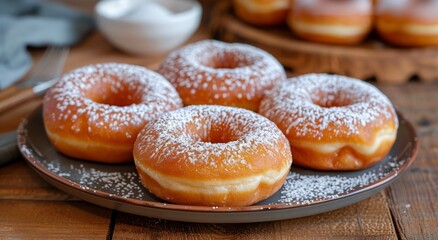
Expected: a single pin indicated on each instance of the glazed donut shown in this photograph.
(212, 156)
(332, 122)
(262, 12)
(331, 21)
(408, 23)
(230, 74)
(95, 112)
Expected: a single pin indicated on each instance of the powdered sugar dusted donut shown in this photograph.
(213, 72)
(332, 122)
(213, 156)
(95, 112)
(331, 21)
(407, 22)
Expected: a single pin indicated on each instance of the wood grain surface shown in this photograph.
(413, 198)
(32, 209)
(21, 219)
(357, 221)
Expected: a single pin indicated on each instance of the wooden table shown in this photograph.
(408, 209)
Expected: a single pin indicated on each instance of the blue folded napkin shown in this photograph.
(26, 23)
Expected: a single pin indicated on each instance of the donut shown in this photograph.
(217, 73)
(408, 23)
(262, 12)
(344, 22)
(332, 122)
(95, 112)
(211, 155)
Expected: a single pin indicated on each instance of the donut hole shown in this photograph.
(115, 93)
(224, 60)
(329, 100)
(214, 134)
(219, 135)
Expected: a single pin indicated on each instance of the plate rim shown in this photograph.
(37, 165)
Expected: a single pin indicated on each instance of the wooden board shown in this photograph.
(357, 221)
(19, 182)
(22, 219)
(413, 197)
(368, 60)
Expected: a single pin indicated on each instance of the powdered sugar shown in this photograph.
(143, 95)
(301, 187)
(305, 104)
(118, 183)
(196, 133)
(219, 71)
(304, 187)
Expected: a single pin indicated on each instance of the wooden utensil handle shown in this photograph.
(16, 99)
(7, 92)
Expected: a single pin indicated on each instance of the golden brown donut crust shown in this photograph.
(212, 156)
(346, 22)
(332, 122)
(408, 23)
(218, 73)
(244, 198)
(262, 12)
(95, 112)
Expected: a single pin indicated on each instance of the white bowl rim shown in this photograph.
(193, 11)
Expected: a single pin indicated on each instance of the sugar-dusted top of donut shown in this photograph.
(240, 66)
(424, 10)
(186, 132)
(67, 100)
(305, 103)
(334, 7)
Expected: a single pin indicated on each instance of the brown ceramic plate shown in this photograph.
(305, 192)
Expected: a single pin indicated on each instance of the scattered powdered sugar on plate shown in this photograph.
(308, 188)
(124, 184)
(118, 183)
(302, 187)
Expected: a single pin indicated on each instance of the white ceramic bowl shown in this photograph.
(140, 30)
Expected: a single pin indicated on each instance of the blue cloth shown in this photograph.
(26, 23)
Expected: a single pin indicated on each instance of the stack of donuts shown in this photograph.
(218, 124)
(407, 23)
